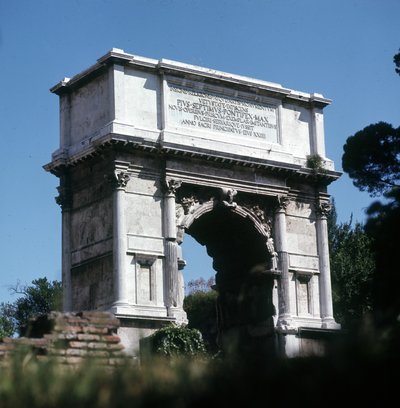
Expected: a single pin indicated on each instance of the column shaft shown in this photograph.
(119, 248)
(171, 251)
(325, 286)
(66, 260)
(285, 312)
(171, 274)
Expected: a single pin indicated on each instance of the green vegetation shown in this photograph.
(372, 159)
(352, 268)
(363, 369)
(175, 341)
(316, 163)
(40, 298)
(201, 308)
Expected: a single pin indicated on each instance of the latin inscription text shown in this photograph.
(201, 110)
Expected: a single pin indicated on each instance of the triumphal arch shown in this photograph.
(152, 150)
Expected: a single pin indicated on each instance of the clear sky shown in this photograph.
(343, 49)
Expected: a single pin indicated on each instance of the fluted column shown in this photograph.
(285, 311)
(64, 200)
(120, 180)
(171, 287)
(325, 287)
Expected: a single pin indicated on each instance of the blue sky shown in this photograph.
(342, 49)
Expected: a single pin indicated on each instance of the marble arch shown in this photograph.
(150, 149)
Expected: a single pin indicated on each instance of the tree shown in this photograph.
(7, 321)
(352, 268)
(396, 60)
(200, 285)
(372, 159)
(384, 225)
(200, 306)
(40, 298)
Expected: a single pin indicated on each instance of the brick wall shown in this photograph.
(70, 338)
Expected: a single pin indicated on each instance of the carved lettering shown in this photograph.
(206, 111)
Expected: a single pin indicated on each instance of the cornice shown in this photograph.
(118, 56)
(62, 160)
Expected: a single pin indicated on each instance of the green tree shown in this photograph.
(352, 268)
(372, 159)
(39, 298)
(8, 324)
(200, 306)
(384, 225)
(396, 60)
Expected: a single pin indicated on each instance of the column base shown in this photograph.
(178, 314)
(120, 307)
(285, 324)
(330, 323)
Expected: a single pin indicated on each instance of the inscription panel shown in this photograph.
(216, 113)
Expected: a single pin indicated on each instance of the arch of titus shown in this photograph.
(151, 150)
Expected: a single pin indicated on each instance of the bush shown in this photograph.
(175, 341)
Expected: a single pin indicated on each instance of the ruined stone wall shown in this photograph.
(70, 338)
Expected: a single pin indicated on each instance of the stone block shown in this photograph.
(95, 330)
(78, 344)
(89, 337)
(110, 339)
(76, 352)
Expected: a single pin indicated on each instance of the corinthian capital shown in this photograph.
(64, 198)
(172, 186)
(282, 202)
(323, 208)
(119, 179)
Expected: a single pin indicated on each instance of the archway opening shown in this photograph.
(243, 280)
(198, 271)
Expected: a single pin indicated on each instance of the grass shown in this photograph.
(362, 370)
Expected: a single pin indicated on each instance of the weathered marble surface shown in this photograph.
(151, 150)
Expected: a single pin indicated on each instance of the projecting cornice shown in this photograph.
(61, 159)
(119, 57)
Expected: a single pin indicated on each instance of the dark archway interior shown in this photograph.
(240, 259)
(232, 241)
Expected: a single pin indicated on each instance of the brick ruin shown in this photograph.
(70, 339)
